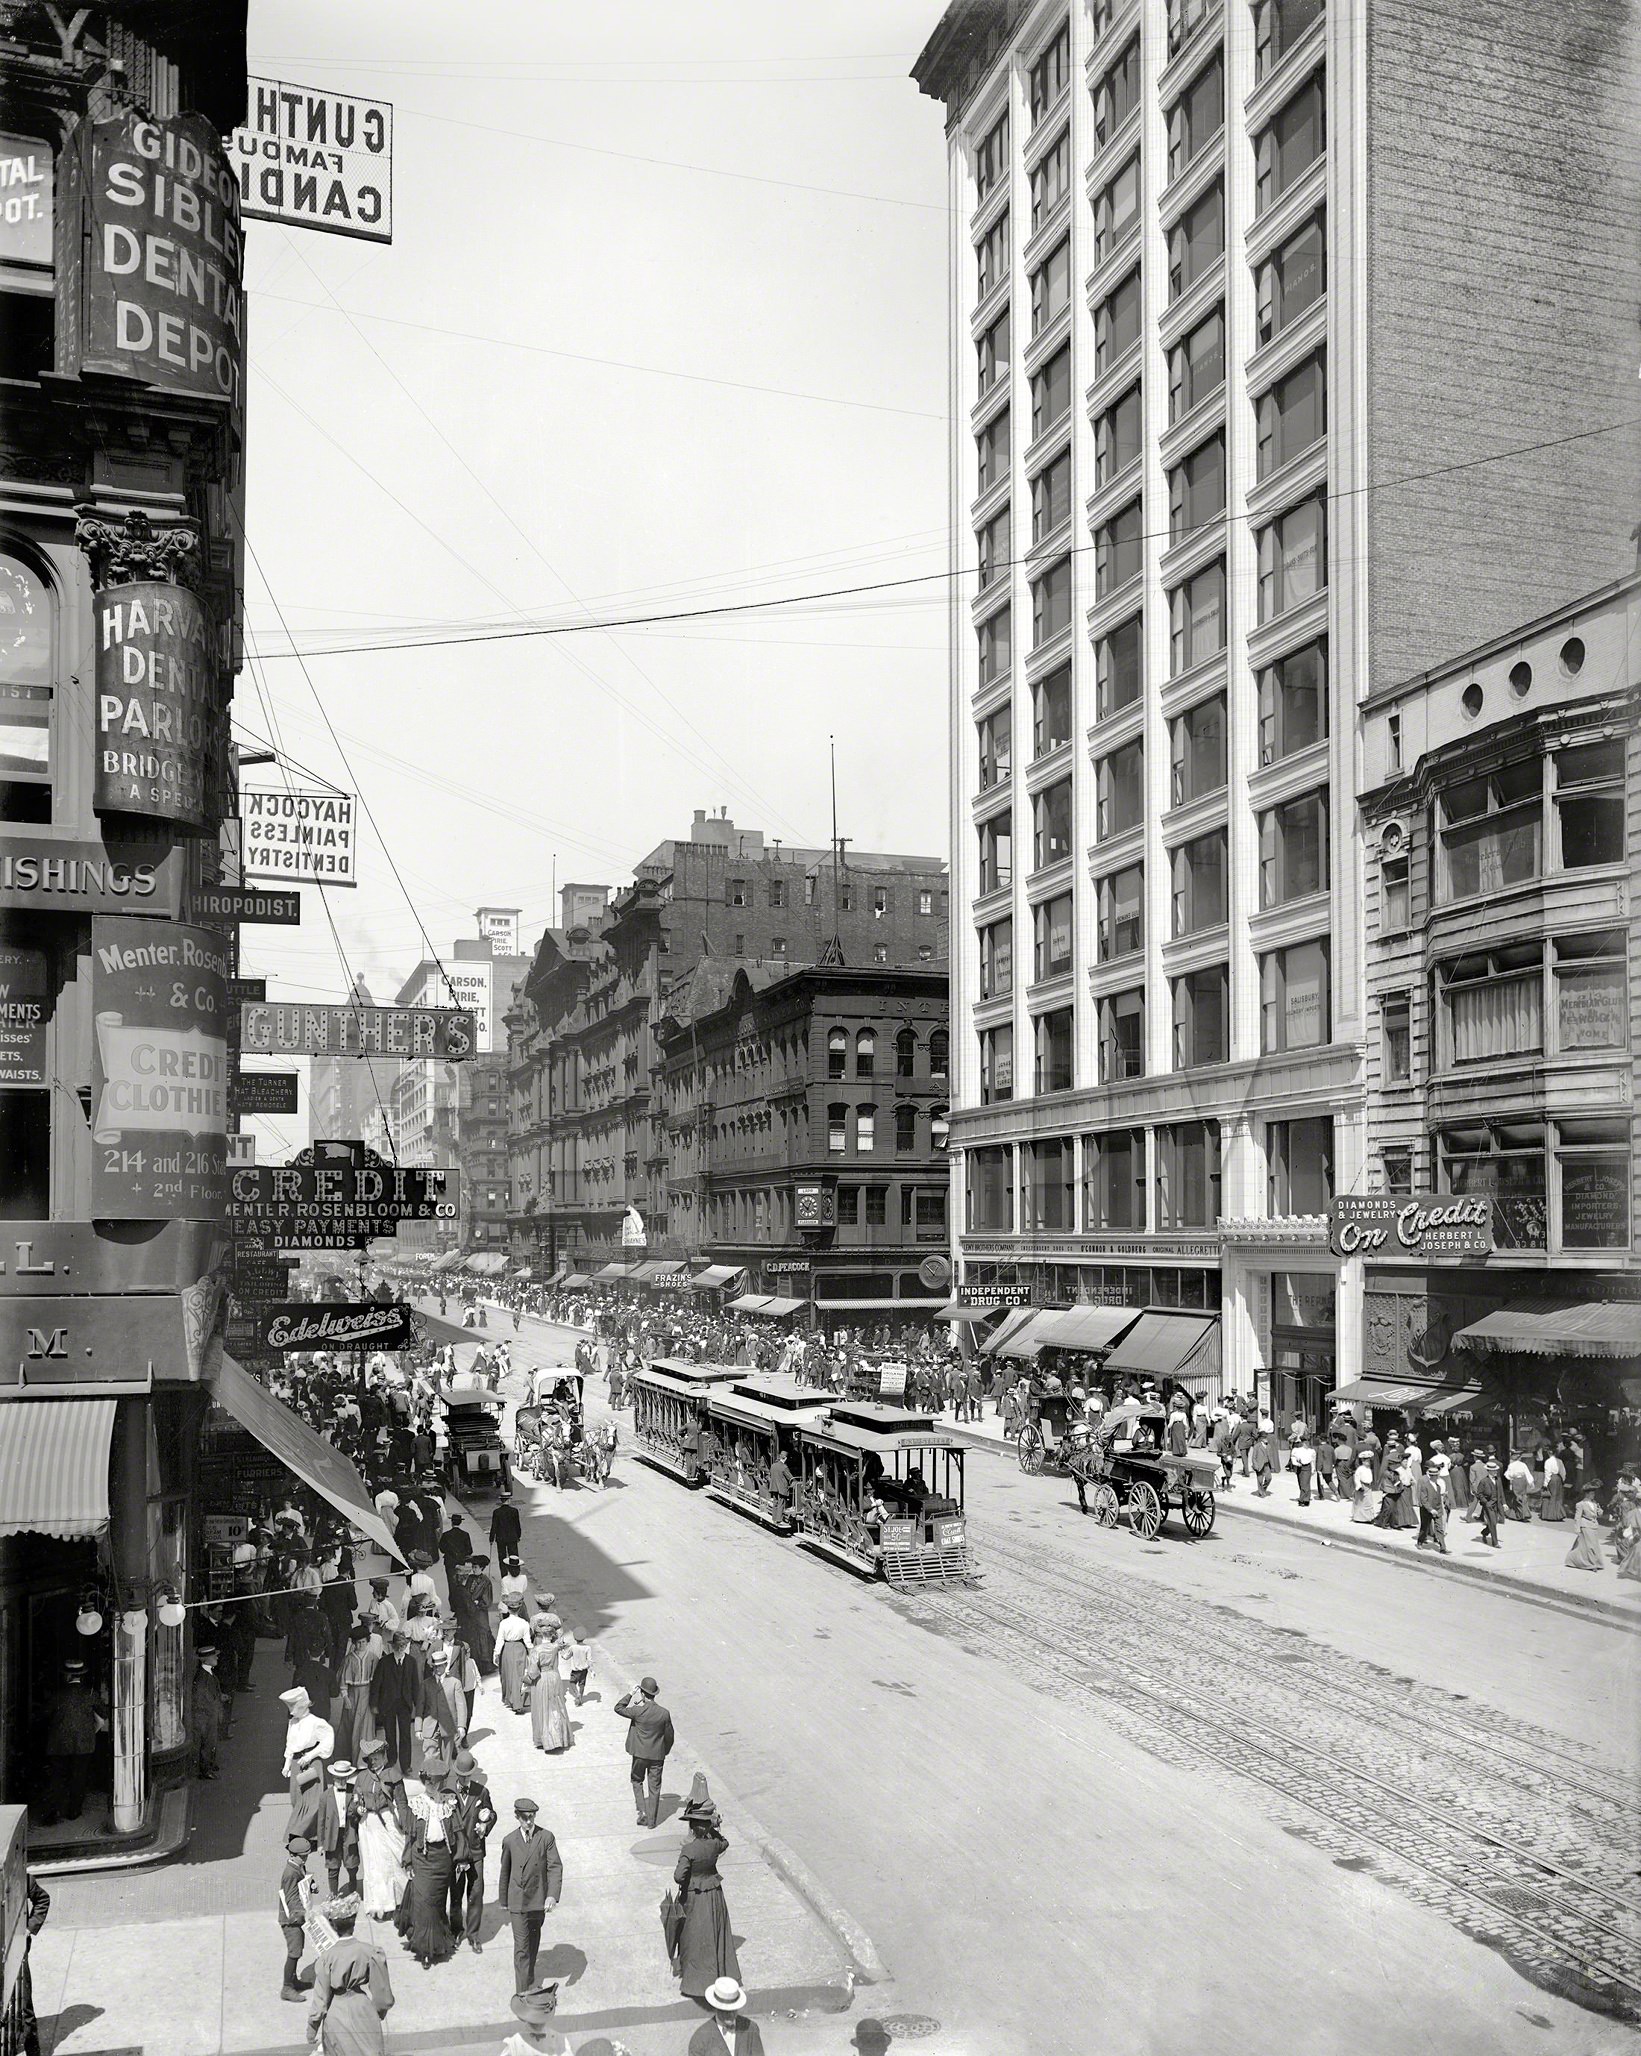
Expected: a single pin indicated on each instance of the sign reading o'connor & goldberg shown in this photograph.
(162, 298)
(154, 693)
(159, 1072)
(1392, 1227)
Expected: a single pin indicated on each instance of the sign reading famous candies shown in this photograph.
(164, 256)
(155, 728)
(316, 159)
(159, 1071)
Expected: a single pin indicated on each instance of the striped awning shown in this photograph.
(716, 1276)
(54, 1466)
(777, 1307)
(748, 1303)
(612, 1271)
(1551, 1327)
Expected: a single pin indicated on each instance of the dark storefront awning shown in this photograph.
(1169, 1345)
(1083, 1327)
(716, 1276)
(1423, 1395)
(299, 1448)
(954, 1310)
(612, 1271)
(748, 1303)
(1548, 1327)
(656, 1269)
(777, 1308)
(576, 1281)
(448, 1261)
(54, 1477)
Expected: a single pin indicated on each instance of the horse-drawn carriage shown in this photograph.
(1124, 1465)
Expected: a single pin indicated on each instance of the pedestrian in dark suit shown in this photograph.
(395, 1698)
(339, 1828)
(1489, 1492)
(649, 1740)
(505, 1529)
(529, 1885)
(468, 1832)
(1432, 1504)
(71, 1726)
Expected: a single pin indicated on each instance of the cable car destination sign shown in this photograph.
(358, 1031)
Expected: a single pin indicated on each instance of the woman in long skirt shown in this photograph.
(706, 1946)
(424, 1915)
(351, 1992)
(1585, 1554)
(549, 1711)
(1364, 1507)
(1553, 1505)
(511, 1651)
(355, 1723)
(383, 1815)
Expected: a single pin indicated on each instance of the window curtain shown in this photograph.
(1498, 1020)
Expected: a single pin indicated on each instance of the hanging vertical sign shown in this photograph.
(159, 1071)
(24, 998)
(314, 159)
(162, 299)
(156, 731)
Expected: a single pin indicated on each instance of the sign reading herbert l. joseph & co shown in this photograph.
(1393, 1227)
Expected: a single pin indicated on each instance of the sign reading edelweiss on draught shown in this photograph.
(159, 1071)
(1386, 1227)
(164, 257)
(365, 1326)
(154, 686)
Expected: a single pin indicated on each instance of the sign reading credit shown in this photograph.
(159, 1071)
(154, 691)
(1391, 1227)
(164, 259)
(316, 160)
(294, 838)
(327, 1325)
(328, 1206)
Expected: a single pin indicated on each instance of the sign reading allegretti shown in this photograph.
(1398, 1227)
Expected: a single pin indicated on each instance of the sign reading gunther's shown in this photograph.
(164, 257)
(155, 725)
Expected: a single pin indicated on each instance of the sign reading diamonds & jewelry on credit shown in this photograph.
(1395, 1227)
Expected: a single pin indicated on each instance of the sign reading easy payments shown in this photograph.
(1395, 1227)
(326, 1206)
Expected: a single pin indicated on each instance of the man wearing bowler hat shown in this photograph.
(528, 1886)
(649, 1741)
(468, 1832)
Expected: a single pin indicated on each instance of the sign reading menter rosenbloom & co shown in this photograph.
(1394, 1227)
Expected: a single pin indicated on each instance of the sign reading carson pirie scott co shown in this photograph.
(164, 257)
(295, 838)
(292, 1031)
(316, 159)
(368, 1325)
(159, 1071)
(1392, 1227)
(154, 693)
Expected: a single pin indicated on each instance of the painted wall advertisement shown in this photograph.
(164, 258)
(25, 997)
(159, 1072)
(316, 159)
(25, 200)
(297, 838)
(155, 727)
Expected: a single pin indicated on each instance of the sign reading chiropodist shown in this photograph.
(159, 1071)
(164, 254)
(304, 1325)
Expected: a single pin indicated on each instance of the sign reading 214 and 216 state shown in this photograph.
(1392, 1227)
(159, 1071)
(156, 732)
(164, 258)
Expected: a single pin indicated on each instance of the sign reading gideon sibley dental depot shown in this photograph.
(159, 1071)
(1399, 1227)
(161, 294)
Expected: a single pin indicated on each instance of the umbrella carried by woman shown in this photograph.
(705, 1950)
(544, 1677)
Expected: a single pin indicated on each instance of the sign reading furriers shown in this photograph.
(331, 1206)
(305, 1324)
(360, 1031)
(299, 838)
(315, 159)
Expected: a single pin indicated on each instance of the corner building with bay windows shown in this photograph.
(1281, 331)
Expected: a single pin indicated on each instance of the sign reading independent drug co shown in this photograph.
(315, 159)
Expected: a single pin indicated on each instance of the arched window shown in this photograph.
(905, 1054)
(940, 1127)
(937, 1053)
(865, 1129)
(837, 1053)
(837, 1128)
(28, 675)
(865, 1053)
(905, 1129)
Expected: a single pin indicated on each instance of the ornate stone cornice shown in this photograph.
(134, 550)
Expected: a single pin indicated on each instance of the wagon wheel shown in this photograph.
(1198, 1511)
(1103, 1505)
(1030, 1451)
(1144, 1509)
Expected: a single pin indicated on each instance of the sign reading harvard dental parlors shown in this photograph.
(159, 1071)
(1397, 1227)
(154, 689)
(298, 838)
(305, 1325)
(164, 255)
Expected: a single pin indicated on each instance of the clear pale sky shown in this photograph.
(580, 485)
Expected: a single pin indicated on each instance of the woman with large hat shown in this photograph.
(384, 1815)
(351, 1993)
(512, 1649)
(424, 1916)
(706, 1947)
(544, 1678)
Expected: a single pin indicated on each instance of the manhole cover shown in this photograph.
(1516, 1898)
(898, 2027)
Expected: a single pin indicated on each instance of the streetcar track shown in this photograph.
(1572, 1769)
(1412, 1844)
